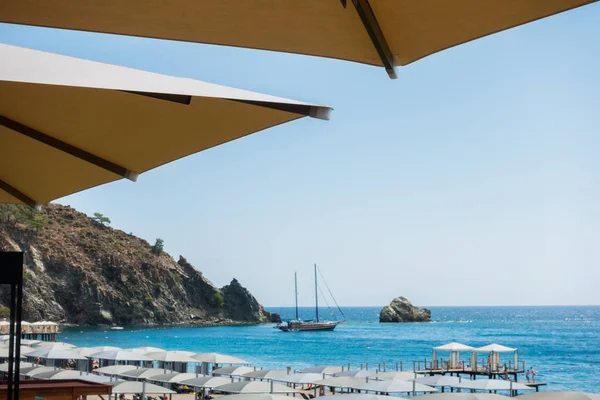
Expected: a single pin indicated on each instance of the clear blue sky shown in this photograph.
(472, 179)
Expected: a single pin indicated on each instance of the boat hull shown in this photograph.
(307, 327)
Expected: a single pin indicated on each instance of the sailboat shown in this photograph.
(298, 325)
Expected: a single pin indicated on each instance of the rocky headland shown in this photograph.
(402, 310)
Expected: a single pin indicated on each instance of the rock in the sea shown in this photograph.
(402, 310)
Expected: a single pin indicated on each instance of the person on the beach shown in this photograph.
(532, 373)
(527, 375)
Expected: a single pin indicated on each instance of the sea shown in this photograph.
(561, 343)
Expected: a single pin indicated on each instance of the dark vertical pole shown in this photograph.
(11, 342)
(296, 291)
(316, 295)
(18, 329)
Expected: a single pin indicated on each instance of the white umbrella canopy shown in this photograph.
(4, 350)
(258, 396)
(147, 120)
(61, 374)
(560, 396)
(206, 381)
(55, 353)
(22, 366)
(394, 386)
(217, 358)
(266, 374)
(326, 369)
(397, 375)
(356, 373)
(438, 380)
(300, 378)
(340, 382)
(144, 350)
(39, 370)
(363, 396)
(61, 345)
(494, 348)
(491, 384)
(141, 373)
(130, 387)
(26, 342)
(464, 396)
(174, 377)
(115, 369)
(171, 356)
(254, 387)
(232, 371)
(454, 346)
(120, 355)
(88, 351)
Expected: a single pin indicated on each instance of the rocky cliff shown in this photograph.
(402, 310)
(78, 270)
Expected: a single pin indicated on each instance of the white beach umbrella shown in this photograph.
(129, 387)
(254, 387)
(258, 396)
(206, 382)
(60, 374)
(22, 365)
(232, 371)
(340, 382)
(397, 375)
(61, 345)
(356, 373)
(174, 377)
(26, 342)
(216, 358)
(55, 353)
(141, 373)
(363, 396)
(120, 355)
(300, 378)
(464, 396)
(438, 380)
(329, 370)
(39, 370)
(88, 351)
(494, 348)
(144, 350)
(4, 350)
(171, 356)
(394, 386)
(490, 384)
(454, 346)
(560, 396)
(265, 374)
(115, 369)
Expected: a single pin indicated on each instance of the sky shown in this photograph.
(472, 179)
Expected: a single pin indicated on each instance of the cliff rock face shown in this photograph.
(78, 270)
(402, 310)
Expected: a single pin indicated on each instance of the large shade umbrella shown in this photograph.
(144, 350)
(397, 375)
(363, 396)
(22, 366)
(560, 396)
(232, 371)
(45, 345)
(174, 377)
(257, 396)
(494, 348)
(454, 346)
(115, 369)
(464, 396)
(356, 373)
(130, 387)
(266, 374)
(26, 342)
(394, 386)
(171, 356)
(340, 382)
(88, 351)
(69, 124)
(216, 358)
(5, 350)
(120, 355)
(142, 373)
(32, 372)
(377, 32)
(55, 353)
(63, 374)
(329, 370)
(208, 382)
(438, 380)
(254, 387)
(301, 378)
(490, 384)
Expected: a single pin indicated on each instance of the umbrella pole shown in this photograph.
(143, 389)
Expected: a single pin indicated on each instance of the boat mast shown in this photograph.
(296, 287)
(316, 295)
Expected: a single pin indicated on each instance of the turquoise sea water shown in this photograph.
(561, 343)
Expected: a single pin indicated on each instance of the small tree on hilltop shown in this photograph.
(101, 219)
(218, 300)
(158, 247)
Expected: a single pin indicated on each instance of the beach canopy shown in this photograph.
(257, 396)
(55, 353)
(71, 374)
(27, 342)
(340, 382)
(300, 378)
(120, 355)
(144, 350)
(377, 32)
(171, 356)
(394, 386)
(231, 371)
(327, 369)
(174, 377)
(5, 349)
(560, 396)
(454, 346)
(129, 387)
(490, 384)
(438, 380)
(216, 358)
(494, 348)
(61, 345)
(206, 382)
(356, 373)
(397, 375)
(464, 396)
(32, 372)
(140, 373)
(69, 124)
(363, 396)
(88, 351)
(115, 369)
(265, 374)
(254, 387)
(22, 366)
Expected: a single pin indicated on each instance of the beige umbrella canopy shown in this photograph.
(140, 387)
(115, 369)
(378, 32)
(464, 396)
(206, 381)
(254, 387)
(560, 396)
(217, 358)
(232, 371)
(68, 124)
